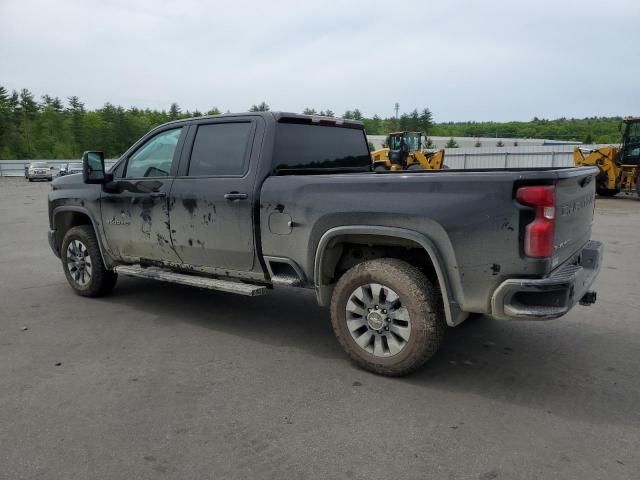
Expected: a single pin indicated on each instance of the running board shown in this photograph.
(156, 273)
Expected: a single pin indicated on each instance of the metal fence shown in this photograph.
(15, 168)
(509, 157)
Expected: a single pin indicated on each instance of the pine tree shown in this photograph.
(261, 107)
(174, 111)
(451, 143)
(426, 120)
(309, 111)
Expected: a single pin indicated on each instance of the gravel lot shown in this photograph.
(163, 381)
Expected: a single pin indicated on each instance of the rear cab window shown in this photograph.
(319, 148)
(220, 149)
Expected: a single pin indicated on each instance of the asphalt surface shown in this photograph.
(163, 381)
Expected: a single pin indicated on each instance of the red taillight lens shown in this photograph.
(538, 238)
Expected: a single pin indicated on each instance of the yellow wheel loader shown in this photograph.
(618, 164)
(404, 152)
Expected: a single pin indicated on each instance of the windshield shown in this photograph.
(413, 141)
(40, 165)
(631, 149)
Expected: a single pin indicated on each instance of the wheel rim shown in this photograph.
(377, 320)
(79, 262)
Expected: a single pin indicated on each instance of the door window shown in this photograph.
(155, 157)
(220, 149)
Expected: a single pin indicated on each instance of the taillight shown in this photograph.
(538, 237)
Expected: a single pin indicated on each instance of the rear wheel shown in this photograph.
(387, 316)
(83, 265)
(380, 168)
(607, 192)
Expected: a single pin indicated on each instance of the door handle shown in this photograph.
(158, 194)
(236, 196)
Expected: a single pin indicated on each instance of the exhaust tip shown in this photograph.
(589, 298)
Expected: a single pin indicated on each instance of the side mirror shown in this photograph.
(93, 167)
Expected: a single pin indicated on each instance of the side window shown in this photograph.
(220, 149)
(155, 157)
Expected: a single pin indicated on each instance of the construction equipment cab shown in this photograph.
(404, 152)
(618, 165)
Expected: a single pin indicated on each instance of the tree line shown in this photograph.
(50, 128)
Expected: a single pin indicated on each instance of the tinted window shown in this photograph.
(303, 146)
(155, 157)
(220, 149)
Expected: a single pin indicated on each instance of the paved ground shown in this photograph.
(162, 381)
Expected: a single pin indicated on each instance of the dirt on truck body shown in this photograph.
(244, 203)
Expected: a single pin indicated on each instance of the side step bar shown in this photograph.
(156, 273)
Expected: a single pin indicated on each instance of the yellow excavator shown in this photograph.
(619, 165)
(404, 152)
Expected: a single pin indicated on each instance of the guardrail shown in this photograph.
(457, 158)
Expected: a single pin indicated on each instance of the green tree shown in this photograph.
(451, 143)
(426, 120)
(261, 107)
(309, 111)
(174, 112)
(499, 144)
(478, 143)
(214, 111)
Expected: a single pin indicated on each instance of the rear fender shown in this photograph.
(454, 315)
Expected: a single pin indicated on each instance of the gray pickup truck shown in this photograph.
(249, 202)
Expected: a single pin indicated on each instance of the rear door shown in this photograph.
(212, 200)
(135, 214)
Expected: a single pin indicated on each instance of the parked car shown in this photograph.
(39, 171)
(73, 168)
(246, 203)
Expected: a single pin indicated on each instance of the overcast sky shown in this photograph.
(465, 60)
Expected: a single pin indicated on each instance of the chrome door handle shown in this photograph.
(158, 194)
(236, 196)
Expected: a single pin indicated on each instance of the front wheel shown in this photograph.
(415, 166)
(83, 265)
(387, 316)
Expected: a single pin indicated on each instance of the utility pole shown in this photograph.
(396, 107)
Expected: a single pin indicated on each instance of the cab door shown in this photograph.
(212, 200)
(135, 212)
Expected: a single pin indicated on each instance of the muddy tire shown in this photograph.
(387, 316)
(82, 263)
(607, 192)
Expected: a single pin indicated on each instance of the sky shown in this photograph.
(464, 60)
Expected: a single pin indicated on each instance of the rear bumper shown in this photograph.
(553, 296)
(51, 236)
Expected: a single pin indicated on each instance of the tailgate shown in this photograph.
(575, 201)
